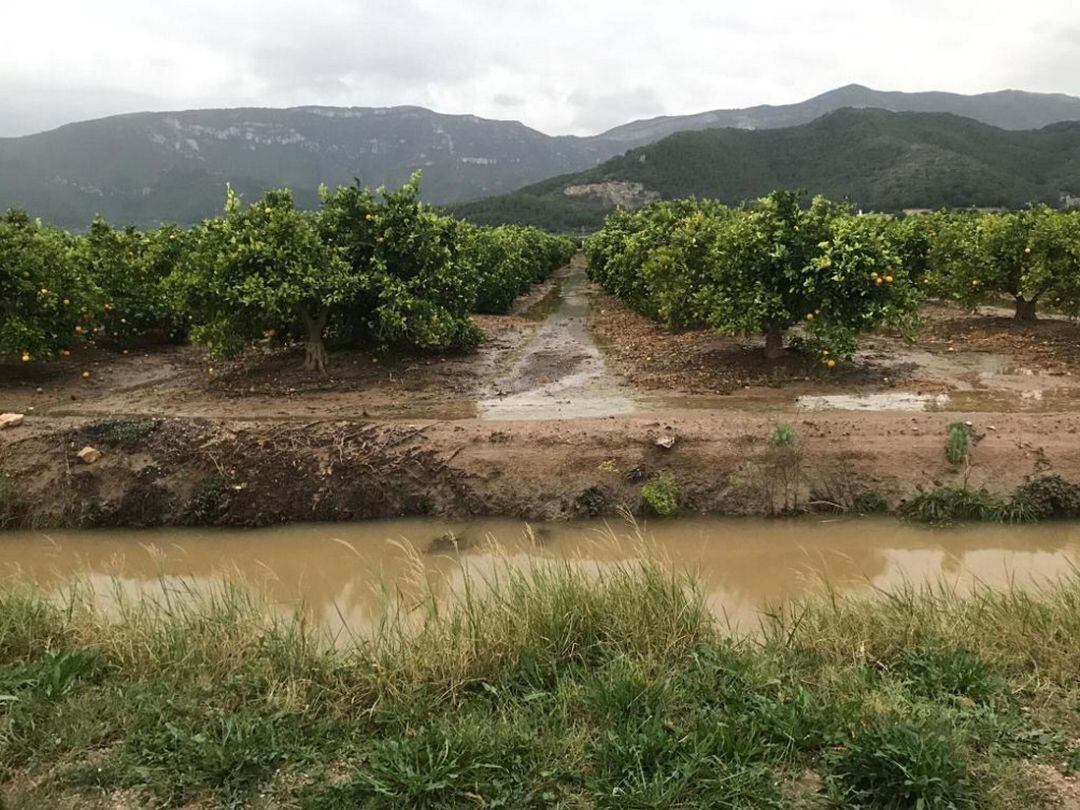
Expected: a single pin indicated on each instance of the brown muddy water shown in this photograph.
(341, 575)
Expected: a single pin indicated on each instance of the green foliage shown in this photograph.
(661, 495)
(901, 765)
(553, 686)
(869, 503)
(958, 444)
(783, 436)
(509, 259)
(937, 672)
(761, 269)
(413, 287)
(1031, 255)
(260, 268)
(372, 268)
(209, 502)
(1048, 497)
(950, 504)
(47, 301)
(129, 268)
(121, 432)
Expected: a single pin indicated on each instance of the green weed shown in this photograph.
(902, 766)
(958, 445)
(782, 436)
(209, 502)
(121, 432)
(661, 495)
(951, 504)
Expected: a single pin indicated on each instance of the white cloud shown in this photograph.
(575, 66)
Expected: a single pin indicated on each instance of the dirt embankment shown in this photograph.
(559, 415)
(220, 472)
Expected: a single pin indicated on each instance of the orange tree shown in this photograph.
(258, 269)
(47, 303)
(779, 264)
(413, 287)
(1032, 256)
(762, 269)
(658, 259)
(509, 258)
(129, 267)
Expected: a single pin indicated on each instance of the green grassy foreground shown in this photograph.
(552, 688)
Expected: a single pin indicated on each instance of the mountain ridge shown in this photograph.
(149, 167)
(877, 159)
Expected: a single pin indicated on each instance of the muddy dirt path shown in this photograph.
(560, 372)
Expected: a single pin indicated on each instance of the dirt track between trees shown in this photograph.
(557, 415)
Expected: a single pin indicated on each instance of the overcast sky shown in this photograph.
(561, 66)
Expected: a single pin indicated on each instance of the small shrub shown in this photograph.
(782, 436)
(949, 504)
(1048, 497)
(869, 503)
(595, 501)
(958, 444)
(901, 766)
(209, 502)
(661, 495)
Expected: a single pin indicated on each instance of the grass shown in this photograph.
(125, 433)
(1048, 497)
(958, 443)
(549, 686)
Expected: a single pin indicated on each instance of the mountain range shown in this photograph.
(878, 160)
(146, 168)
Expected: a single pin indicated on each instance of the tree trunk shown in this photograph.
(774, 342)
(1025, 310)
(315, 357)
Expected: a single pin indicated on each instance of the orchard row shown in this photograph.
(366, 268)
(773, 264)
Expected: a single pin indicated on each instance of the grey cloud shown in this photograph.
(562, 65)
(34, 107)
(599, 111)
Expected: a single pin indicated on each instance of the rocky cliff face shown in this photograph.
(615, 193)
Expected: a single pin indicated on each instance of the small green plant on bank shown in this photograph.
(1046, 498)
(869, 503)
(958, 445)
(122, 432)
(950, 504)
(661, 495)
(782, 436)
(1049, 497)
(209, 502)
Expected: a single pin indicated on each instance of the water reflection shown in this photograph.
(342, 574)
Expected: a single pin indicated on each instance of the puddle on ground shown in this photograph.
(560, 374)
(340, 574)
